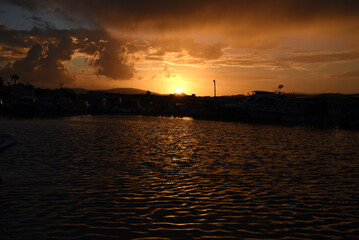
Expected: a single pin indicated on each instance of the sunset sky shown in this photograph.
(161, 46)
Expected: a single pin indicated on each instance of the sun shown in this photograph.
(179, 91)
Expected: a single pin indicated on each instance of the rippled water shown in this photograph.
(128, 177)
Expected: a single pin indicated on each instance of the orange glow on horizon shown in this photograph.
(305, 47)
(179, 90)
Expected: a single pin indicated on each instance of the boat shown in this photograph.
(262, 106)
(7, 140)
(299, 110)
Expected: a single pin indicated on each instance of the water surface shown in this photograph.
(136, 177)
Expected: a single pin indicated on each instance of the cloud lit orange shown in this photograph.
(160, 45)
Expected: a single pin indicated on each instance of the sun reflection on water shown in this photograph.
(152, 177)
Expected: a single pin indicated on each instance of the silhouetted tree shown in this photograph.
(14, 78)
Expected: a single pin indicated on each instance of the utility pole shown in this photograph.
(214, 85)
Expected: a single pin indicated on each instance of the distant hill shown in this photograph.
(126, 91)
(80, 90)
(114, 90)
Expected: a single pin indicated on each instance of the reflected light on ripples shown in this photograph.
(149, 177)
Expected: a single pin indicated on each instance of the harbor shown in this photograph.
(174, 120)
(342, 110)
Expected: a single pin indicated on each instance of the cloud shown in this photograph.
(42, 23)
(113, 63)
(39, 55)
(154, 58)
(183, 34)
(347, 75)
(15, 38)
(323, 58)
(43, 64)
(245, 21)
(161, 46)
(109, 57)
(306, 61)
(177, 14)
(7, 53)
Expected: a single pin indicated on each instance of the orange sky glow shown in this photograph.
(162, 46)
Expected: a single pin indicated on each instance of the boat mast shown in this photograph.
(214, 85)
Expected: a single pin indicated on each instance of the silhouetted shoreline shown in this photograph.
(21, 101)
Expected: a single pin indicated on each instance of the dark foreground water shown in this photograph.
(118, 177)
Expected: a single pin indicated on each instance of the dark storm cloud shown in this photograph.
(46, 50)
(15, 38)
(255, 24)
(113, 63)
(14, 53)
(245, 22)
(42, 23)
(43, 64)
(185, 13)
(179, 32)
(176, 14)
(109, 57)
